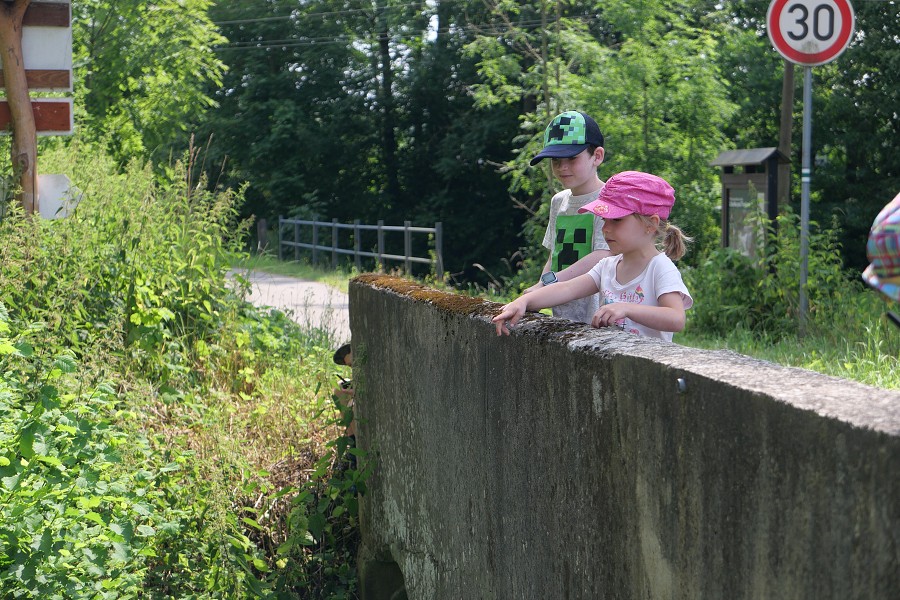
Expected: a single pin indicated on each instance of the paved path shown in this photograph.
(308, 303)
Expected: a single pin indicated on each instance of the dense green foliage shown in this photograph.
(158, 436)
(142, 71)
(318, 116)
(429, 111)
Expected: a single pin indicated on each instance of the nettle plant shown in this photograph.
(761, 293)
(72, 522)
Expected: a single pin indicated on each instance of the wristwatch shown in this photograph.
(548, 278)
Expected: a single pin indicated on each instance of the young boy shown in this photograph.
(574, 145)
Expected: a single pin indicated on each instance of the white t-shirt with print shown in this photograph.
(660, 277)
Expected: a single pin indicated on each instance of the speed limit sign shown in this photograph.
(810, 32)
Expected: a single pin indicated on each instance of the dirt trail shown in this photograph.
(308, 303)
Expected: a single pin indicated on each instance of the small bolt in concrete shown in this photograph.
(680, 385)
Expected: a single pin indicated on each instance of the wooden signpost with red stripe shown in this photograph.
(36, 54)
(47, 55)
(52, 116)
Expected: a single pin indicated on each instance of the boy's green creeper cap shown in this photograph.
(568, 134)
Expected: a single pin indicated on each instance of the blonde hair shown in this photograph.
(673, 240)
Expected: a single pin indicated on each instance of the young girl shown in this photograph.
(641, 289)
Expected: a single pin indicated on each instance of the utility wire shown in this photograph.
(296, 15)
(492, 29)
(489, 29)
(301, 15)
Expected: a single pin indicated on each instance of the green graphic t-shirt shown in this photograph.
(574, 239)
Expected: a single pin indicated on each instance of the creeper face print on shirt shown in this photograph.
(574, 239)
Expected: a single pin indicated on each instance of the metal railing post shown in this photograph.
(439, 250)
(296, 241)
(334, 243)
(407, 246)
(380, 246)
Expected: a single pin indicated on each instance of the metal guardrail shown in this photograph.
(334, 249)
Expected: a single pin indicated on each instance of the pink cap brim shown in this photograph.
(605, 210)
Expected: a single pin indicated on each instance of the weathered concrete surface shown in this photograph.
(562, 462)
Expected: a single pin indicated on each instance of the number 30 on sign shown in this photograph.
(810, 32)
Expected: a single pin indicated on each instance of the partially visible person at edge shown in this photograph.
(343, 394)
(641, 288)
(883, 250)
(574, 145)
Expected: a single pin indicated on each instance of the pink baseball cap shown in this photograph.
(632, 192)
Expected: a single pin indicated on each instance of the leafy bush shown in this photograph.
(144, 405)
(752, 306)
(71, 523)
(762, 295)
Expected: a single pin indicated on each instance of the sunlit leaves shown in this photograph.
(143, 71)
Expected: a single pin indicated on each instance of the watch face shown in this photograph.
(548, 278)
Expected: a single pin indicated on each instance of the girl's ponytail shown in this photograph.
(674, 240)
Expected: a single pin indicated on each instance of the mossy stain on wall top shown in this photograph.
(545, 328)
(455, 303)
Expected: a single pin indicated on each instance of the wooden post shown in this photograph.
(24, 141)
(380, 246)
(334, 242)
(439, 250)
(785, 129)
(356, 246)
(315, 243)
(262, 236)
(280, 225)
(407, 246)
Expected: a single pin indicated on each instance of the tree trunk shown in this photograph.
(784, 134)
(389, 138)
(24, 142)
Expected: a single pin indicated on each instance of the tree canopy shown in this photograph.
(429, 111)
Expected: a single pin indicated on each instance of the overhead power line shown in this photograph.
(487, 29)
(332, 13)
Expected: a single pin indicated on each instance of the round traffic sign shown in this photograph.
(810, 32)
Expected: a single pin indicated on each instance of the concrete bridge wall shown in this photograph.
(570, 463)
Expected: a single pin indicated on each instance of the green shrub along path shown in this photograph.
(160, 437)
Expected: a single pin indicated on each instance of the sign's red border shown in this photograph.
(773, 17)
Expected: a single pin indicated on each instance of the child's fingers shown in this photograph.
(502, 322)
(502, 325)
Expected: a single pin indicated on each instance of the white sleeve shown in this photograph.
(596, 271)
(668, 279)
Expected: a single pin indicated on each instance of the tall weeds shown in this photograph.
(144, 405)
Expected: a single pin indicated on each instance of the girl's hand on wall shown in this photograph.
(610, 314)
(509, 315)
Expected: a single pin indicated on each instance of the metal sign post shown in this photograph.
(808, 33)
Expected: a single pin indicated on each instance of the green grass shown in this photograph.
(864, 356)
